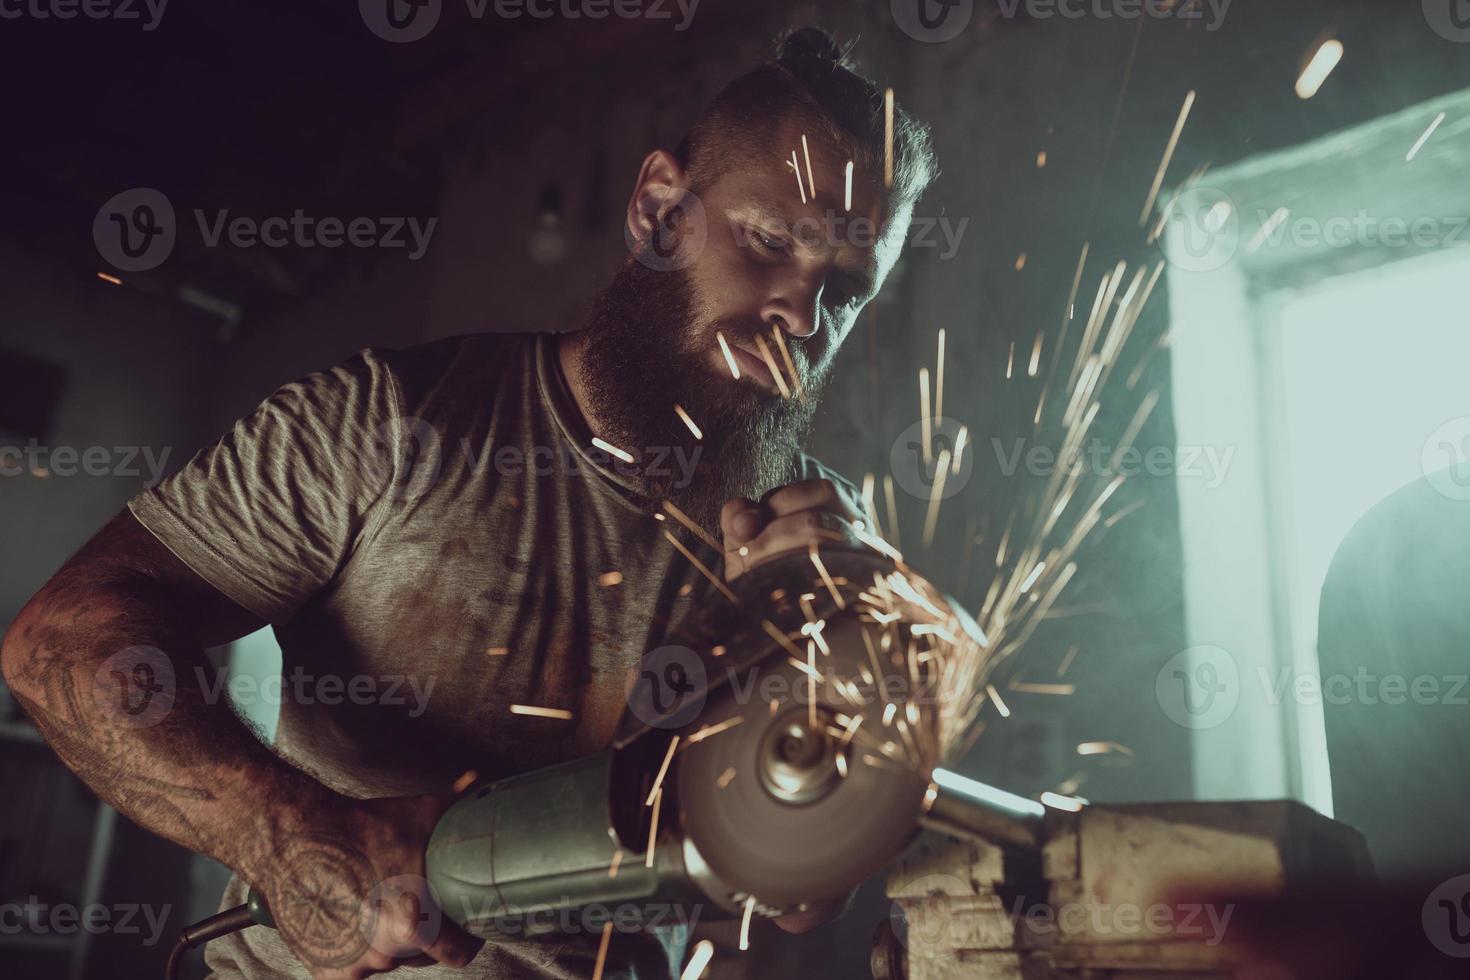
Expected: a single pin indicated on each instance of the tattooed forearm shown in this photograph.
(105, 666)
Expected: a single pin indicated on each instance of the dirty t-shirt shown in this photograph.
(435, 540)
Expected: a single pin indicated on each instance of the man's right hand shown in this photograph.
(349, 895)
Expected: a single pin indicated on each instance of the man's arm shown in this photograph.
(90, 659)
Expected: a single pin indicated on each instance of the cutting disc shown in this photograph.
(772, 814)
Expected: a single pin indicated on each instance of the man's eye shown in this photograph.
(766, 241)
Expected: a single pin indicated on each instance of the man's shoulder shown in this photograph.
(482, 361)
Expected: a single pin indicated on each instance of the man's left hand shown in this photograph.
(786, 519)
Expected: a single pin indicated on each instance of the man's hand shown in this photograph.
(350, 898)
(787, 519)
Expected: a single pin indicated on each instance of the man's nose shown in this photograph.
(797, 310)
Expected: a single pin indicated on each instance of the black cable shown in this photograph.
(201, 932)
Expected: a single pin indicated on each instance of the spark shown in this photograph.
(811, 685)
(888, 712)
(1020, 261)
(607, 928)
(724, 589)
(790, 364)
(1035, 364)
(1267, 230)
(936, 496)
(684, 417)
(926, 423)
(612, 869)
(528, 709)
(776, 374)
(870, 506)
(814, 630)
(888, 137)
(826, 576)
(1102, 748)
(939, 379)
(725, 777)
(658, 800)
(1000, 705)
(810, 181)
(1058, 802)
(609, 448)
(796, 168)
(774, 632)
(959, 450)
(691, 524)
(497, 651)
(841, 765)
(745, 924)
(1323, 62)
(1011, 361)
(1412, 153)
(1153, 194)
(107, 277)
(847, 196)
(663, 770)
(710, 731)
(704, 950)
(729, 356)
(465, 781)
(1031, 579)
(892, 503)
(717, 651)
(1040, 159)
(1032, 687)
(610, 578)
(1067, 662)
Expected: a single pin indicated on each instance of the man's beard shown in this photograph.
(644, 355)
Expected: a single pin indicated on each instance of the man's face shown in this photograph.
(754, 263)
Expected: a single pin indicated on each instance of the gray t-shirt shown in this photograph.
(435, 540)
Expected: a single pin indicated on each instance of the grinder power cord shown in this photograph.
(773, 755)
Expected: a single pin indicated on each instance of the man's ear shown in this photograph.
(661, 185)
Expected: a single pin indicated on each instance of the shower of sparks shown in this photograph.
(689, 522)
(1267, 230)
(811, 182)
(1153, 193)
(607, 579)
(663, 770)
(1417, 146)
(704, 951)
(936, 496)
(888, 137)
(658, 801)
(1322, 64)
(529, 709)
(729, 356)
(617, 862)
(786, 357)
(847, 194)
(745, 924)
(939, 378)
(612, 450)
(688, 422)
(607, 928)
(776, 374)
(926, 421)
(796, 169)
(703, 569)
(725, 777)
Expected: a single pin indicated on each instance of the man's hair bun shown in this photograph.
(807, 44)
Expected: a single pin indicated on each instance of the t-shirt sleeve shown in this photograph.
(273, 510)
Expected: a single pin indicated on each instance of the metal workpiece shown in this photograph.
(968, 809)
